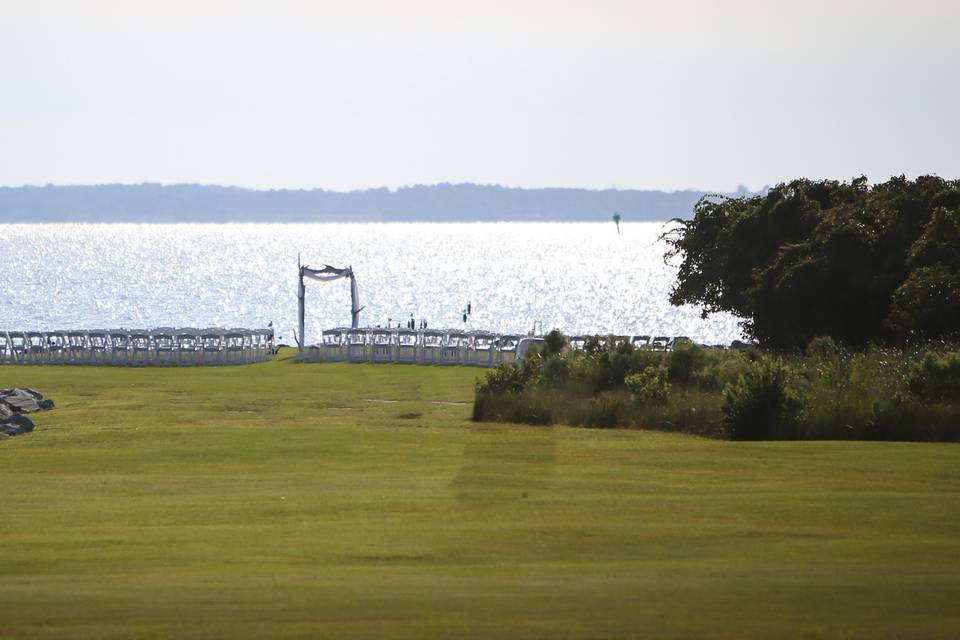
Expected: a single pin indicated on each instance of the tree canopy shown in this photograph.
(855, 262)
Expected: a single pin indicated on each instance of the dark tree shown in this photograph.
(827, 258)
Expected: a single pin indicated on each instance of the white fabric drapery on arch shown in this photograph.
(327, 274)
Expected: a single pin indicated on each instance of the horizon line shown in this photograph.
(613, 188)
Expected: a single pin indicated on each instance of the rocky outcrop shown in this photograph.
(13, 424)
(24, 400)
(16, 402)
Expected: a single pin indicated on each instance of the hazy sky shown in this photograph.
(350, 94)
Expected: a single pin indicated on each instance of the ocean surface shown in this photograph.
(579, 277)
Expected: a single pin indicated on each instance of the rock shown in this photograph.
(15, 424)
(24, 400)
(14, 403)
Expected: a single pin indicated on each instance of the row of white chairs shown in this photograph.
(427, 346)
(162, 347)
(656, 343)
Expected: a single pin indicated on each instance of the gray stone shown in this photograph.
(24, 400)
(15, 424)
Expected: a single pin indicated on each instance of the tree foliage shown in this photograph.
(827, 258)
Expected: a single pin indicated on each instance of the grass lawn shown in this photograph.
(285, 500)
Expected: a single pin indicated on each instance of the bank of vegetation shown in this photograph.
(823, 392)
(850, 291)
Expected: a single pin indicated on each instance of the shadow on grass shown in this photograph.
(505, 463)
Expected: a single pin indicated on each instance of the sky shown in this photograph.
(347, 95)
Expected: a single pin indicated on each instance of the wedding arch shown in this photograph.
(326, 274)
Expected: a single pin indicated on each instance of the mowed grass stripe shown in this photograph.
(275, 501)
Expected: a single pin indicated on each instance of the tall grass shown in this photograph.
(826, 392)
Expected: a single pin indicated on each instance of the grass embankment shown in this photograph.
(275, 500)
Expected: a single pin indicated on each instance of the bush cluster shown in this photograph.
(824, 392)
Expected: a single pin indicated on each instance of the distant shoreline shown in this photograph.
(155, 203)
(213, 223)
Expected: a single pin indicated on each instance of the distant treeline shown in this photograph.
(441, 202)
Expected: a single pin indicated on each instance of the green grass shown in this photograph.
(275, 500)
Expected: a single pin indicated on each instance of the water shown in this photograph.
(579, 277)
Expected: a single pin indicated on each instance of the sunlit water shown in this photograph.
(579, 277)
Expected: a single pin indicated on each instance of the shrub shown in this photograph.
(583, 374)
(650, 385)
(936, 377)
(731, 369)
(878, 393)
(906, 418)
(593, 345)
(612, 368)
(556, 371)
(554, 343)
(641, 359)
(822, 348)
(760, 406)
(504, 378)
(685, 359)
